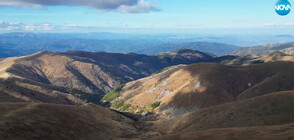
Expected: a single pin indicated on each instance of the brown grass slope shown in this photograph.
(265, 117)
(277, 56)
(22, 90)
(27, 121)
(254, 59)
(267, 110)
(183, 89)
(279, 132)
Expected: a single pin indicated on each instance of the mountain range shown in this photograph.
(287, 48)
(63, 77)
(21, 44)
(183, 94)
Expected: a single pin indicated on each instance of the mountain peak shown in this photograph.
(182, 51)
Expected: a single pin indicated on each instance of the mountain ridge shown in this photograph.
(20, 44)
(89, 73)
(286, 48)
(226, 99)
(182, 89)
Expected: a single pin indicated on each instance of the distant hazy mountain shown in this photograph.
(287, 48)
(20, 44)
(208, 47)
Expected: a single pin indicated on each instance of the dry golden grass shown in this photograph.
(6, 64)
(218, 84)
(266, 117)
(271, 109)
(277, 56)
(279, 132)
(26, 121)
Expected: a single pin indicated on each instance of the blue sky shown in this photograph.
(159, 16)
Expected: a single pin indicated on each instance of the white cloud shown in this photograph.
(125, 6)
(270, 24)
(9, 25)
(29, 27)
(9, 28)
(278, 25)
(99, 4)
(17, 26)
(46, 27)
(71, 25)
(40, 27)
(141, 7)
(289, 24)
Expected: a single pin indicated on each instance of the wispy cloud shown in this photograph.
(124, 6)
(189, 25)
(270, 24)
(289, 24)
(47, 27)
(141, 7)
(278, 25)
(17, 26)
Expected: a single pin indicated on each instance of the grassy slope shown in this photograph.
(280, 132)
(219, 84)
(113, 94)
(26, 121)
(272, 109)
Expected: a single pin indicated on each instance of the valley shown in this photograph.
(185, 94)
(146, 70)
